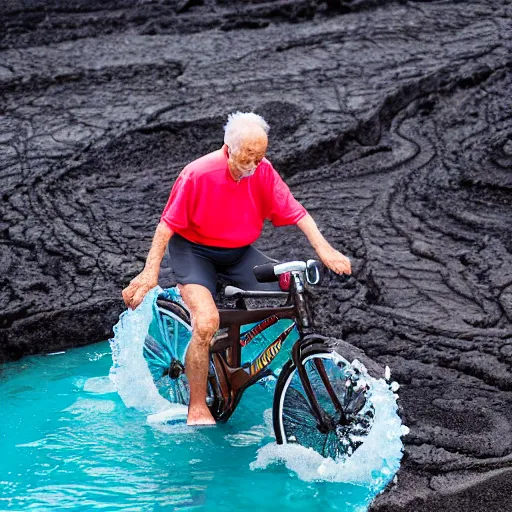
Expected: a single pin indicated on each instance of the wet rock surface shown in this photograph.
(392, 124)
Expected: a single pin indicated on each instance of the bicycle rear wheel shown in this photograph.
(342, 395)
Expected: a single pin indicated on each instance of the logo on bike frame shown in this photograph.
(266, 357)
(248, 336)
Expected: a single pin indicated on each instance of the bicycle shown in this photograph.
(321, 395)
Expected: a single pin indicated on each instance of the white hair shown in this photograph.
(242, 126)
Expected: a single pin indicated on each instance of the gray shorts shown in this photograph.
(203, 264)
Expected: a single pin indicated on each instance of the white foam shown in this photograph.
(248, 437)
(177, 412)
(86, 407)
(34, 444)
(99, 385)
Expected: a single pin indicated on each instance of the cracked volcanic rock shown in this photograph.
(391, 123)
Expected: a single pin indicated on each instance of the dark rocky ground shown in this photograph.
(390, 121)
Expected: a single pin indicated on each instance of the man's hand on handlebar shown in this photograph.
(135, 292)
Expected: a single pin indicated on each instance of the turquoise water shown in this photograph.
(68, 442)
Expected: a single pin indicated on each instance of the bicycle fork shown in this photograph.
(324, 422)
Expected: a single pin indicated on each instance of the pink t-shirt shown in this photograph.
(207, 206)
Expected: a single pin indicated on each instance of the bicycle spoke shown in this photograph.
(356, 402)
(163, 351)
(325, 379)
(332, 447)
(156, 355)
(322, 392)
(299, 418)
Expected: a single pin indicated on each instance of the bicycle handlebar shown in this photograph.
(270, 272)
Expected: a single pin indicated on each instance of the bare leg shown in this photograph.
(205, 322)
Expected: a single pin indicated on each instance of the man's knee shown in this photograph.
(205, 316)
(205, 326)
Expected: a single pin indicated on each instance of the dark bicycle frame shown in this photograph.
(230, 379)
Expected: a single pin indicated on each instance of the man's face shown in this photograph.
(245, 160)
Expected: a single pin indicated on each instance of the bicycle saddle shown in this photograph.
(233, 291)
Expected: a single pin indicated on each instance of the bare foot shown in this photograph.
(200, 416)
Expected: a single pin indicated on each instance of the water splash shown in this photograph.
(372, 465)
(129, 371)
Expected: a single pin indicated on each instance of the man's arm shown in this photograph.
(134, 293)
(330, 257)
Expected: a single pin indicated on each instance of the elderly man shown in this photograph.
(215, 212)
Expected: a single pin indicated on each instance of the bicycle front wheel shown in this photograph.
(341, 393)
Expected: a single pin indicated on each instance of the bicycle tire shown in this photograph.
(293, 418)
